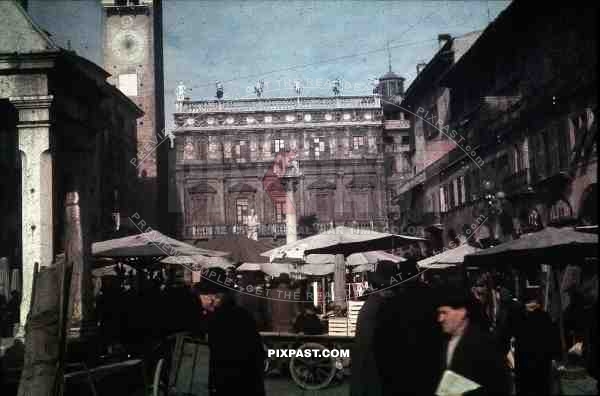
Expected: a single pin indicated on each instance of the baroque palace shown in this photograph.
(224, 149)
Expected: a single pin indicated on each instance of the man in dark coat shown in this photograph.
(537, 343)
(406, 340)
(468, 350)
(236, 353)
(366, 380)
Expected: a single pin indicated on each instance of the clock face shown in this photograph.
(128, 45)
(126, 21)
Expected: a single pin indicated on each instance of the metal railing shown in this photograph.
(209, 231)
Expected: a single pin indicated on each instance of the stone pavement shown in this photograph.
(285, 386)
(576, 382)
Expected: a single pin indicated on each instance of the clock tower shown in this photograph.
(132, 46)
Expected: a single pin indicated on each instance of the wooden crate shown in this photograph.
(354, 308)
(338, 326)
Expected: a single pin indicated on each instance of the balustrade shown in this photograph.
(279, 104)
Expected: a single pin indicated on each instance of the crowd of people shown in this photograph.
(409, 335)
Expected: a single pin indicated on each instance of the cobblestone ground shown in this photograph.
(583, 386)
(282, 386)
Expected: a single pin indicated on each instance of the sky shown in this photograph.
(315, 42)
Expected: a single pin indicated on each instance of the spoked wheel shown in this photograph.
(267, 364)
(160, 387)
(312, 372)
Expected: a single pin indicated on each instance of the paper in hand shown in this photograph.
(454, 384)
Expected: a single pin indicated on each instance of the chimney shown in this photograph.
(420, 67)
(443, 39)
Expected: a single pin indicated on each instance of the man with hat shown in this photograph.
(236, 353)
(537, 343)
(467, 349)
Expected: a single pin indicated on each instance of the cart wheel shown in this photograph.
(312, 373)
(267, 365)
(159, 387)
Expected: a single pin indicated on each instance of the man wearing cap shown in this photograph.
(537, 343)
(236, 354)
(469, 350)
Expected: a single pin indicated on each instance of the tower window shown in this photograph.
(128, 84)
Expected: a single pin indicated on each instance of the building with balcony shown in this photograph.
(225, 148)
(522, 120)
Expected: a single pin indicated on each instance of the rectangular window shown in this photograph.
(199, 209)
(404, 140)
(128, 84)
(241, 209)
(280, 211)
(242, 150)
(323, 207)
(278, 145)
(357, 142)
(430, 122)
(517, 159)
(442, 199)
(319, 146)
(460, 189)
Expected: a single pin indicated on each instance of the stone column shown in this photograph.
(339, 279)
(81, 299)
(36, 191)
(290, 184)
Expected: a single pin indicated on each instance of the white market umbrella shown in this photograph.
(341, 242)
(200, 260)
(449, 258)
(149, 244)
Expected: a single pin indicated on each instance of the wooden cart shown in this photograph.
(182, 369)
(312, 372)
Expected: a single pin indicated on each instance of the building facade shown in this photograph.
(225, 148)
(65, 130)
(522, 120)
